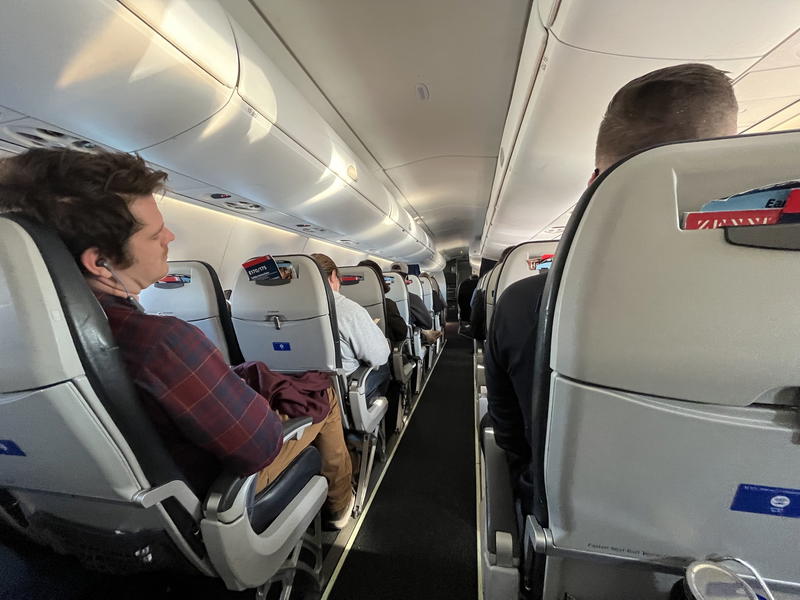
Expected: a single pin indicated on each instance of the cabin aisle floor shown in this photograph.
(418, 539)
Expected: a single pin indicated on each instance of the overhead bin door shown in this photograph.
(95, 68)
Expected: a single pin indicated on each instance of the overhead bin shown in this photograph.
(682, 30)
(161, 77)
(201, 30)
(244, 153)
(95, 68)
(270, 146)
(266, 89)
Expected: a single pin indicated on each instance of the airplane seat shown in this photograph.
(440, 318)
(491, 295)
(520, 263)
(427, 299)
(398, 291)
(666, 384)
(427, 293)
(290, 324)
(498, 531)
(414, 285)
(362, 286)
(83, 469)
(479, 331)
(192, 292)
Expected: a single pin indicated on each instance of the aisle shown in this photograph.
(418, 538)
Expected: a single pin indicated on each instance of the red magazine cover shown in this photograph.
(731, 218)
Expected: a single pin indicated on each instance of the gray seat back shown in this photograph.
(362, 286)
(520, 263)
(289, 324)
(192, 292)
(399, 293)
(427, 293)
(415, 286)
(673, 358)
(77, 452)
(490, 295)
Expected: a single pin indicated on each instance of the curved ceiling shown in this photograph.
(422, 91)
(424, 86)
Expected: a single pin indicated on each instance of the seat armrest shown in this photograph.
(357, 380)
(399, 351)
(293, 429)
(502, 534)
(228, 486)
(224, 491)
(400, 347)
(366, 417)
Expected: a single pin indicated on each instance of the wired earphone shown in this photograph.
(129, 297)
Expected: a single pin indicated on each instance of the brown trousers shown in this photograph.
(328, 437)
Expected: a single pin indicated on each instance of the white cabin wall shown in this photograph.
(341, 256)
(200, 233)
(222, 240)
(225, 241)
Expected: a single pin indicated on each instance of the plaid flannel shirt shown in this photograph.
(211, 413)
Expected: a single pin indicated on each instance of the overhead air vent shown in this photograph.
(423, 93)
(44, 137)
(555, 232)
(243, 205)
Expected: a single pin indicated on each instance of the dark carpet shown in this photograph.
(418, 539)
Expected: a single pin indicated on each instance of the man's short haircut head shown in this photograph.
(83, 196)
(505, 253)
(683, 102)
(326, 263)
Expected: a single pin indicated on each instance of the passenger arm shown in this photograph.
(368, 342)
(503, 406)
(208, 402)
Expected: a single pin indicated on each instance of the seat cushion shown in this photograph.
(270, 502)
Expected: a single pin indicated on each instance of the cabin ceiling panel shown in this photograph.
(425, 86)
(554, 156)
(681, 29)
(368, 57)
(446, 190)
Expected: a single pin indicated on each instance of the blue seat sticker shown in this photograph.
(764, 500)
(281, 346)
(9, 448)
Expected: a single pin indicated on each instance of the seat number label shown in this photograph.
(10, 448)
(763, 500)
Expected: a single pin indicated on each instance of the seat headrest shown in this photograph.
(187, 292)
(361, 285)
(398, 292)
(415, 287)
(305, 295)
(40, 280)
(646, 306)
(192, 292)
(36, 348)
(522, 262)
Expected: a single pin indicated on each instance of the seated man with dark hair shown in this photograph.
(361, 341)
(465, 291)
(682, 102)
(396, 328)
(209, 415)
(420, 315)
